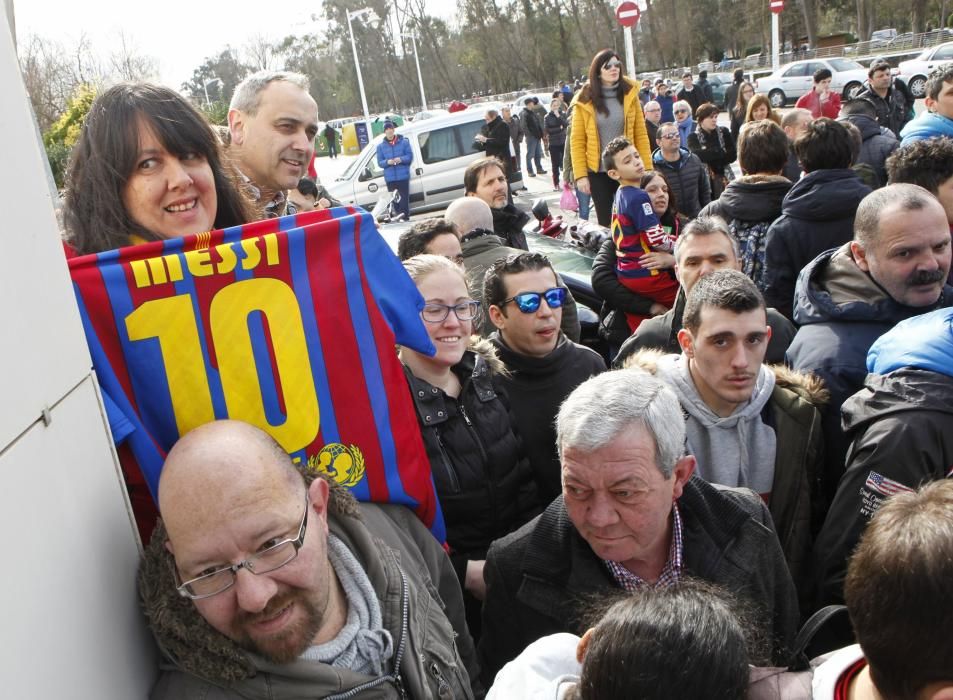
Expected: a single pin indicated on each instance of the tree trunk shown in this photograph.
(810, 20)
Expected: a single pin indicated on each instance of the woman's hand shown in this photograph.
(657, 260)
(473, 581)
(582, 185)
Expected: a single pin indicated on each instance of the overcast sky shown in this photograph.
(180, 34)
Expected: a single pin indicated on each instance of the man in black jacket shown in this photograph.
(877, 142)
(687, 177)
(731, 92)
(485, 178)
(890, 97)
(544, 365)
(630, 515)
(533, 130)
(494, 137)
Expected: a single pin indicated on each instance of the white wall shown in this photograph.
(71, 626)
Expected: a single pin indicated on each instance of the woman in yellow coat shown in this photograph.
(608, 106)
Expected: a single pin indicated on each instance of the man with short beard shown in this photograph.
(895, 268)
(265, 580)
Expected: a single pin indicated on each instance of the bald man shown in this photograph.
(473, 218)
(262, 582)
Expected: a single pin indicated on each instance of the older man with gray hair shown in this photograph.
(272, 121)
(631, 515)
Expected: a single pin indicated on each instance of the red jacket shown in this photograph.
(811, 101)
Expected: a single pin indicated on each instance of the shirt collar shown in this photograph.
(671, 572)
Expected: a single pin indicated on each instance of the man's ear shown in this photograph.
(169, 548)
(236, 126)
(685, 342)
(496, 315)
(860, 256)
(684, 468)
(583, 645)
(941, 694)
(318, 495)
(930, 103)
(613, 173)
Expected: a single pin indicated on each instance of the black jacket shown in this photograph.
(652, 129)
(895, 109)
(750, 205)
(688, 180)
(508, 223)
(482, 476)
(716, 153)
(497, 143)
(618, 300)
(901, 429)
(817, 215)
(531, 123)
(694, 97)
(661, 333)
(540, 578)
(556, 129)
(842, 311)
(536, 387)
(879, 142)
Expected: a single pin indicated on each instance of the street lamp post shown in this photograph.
(374, 20)
(420, 77)
(205, 87)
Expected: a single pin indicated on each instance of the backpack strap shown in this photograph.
(819, 625)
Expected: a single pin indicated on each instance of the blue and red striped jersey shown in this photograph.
(288, 324)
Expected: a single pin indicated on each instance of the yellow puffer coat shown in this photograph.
(585, 147)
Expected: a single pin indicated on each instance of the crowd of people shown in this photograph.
(773, 435)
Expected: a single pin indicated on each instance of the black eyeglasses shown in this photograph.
(266, 560)
(437, 313)
(528, 302)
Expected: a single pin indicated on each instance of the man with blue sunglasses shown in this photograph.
(524, 301)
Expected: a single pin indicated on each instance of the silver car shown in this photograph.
(791, 81)
(915, 71)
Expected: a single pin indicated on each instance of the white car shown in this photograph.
(915, 71)
(544, 100)
(791, 81)
(429, 114)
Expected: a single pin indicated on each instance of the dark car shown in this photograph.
(719, 85)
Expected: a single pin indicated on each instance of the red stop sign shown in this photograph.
(627, 13)
(776, 6)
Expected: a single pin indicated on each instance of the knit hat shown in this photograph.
(389, 125)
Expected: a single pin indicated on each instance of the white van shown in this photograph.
(443, 148)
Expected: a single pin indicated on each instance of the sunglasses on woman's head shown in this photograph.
(528, 302)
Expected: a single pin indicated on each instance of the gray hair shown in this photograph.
(468, 213)
(651, 103)
(600, 409)
(705, 226)
(247, 96)
(907, 196)
(682, 104)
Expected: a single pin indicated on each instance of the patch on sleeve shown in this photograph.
(647, 208)
(876, 490)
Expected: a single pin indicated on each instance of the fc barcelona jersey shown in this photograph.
(288, 324)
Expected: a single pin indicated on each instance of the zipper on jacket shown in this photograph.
(473, 433)
(443, 688)
(447, 463)
(398, 657)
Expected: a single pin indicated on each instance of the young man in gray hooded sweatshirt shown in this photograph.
(747, 424)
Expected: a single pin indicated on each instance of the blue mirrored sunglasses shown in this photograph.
(528, 302)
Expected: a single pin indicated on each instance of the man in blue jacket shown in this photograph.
(395, 156)
(938, 119)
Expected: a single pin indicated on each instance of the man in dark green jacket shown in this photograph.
(261, 584)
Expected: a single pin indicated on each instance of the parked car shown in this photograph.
(428, 114)
(544, 99)
(719, 85)
(443, 147)
(791, 81)
(915, 71)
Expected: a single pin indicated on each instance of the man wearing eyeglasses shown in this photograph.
(686, 176)
(524, 301)
(653, 117)
(263, 582)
